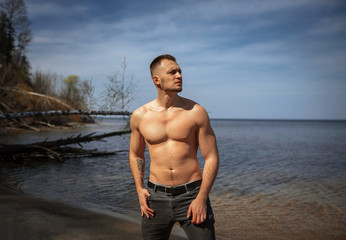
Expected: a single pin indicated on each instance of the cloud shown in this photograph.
(218, 9)
(245, 49)
(43, 8)
(328, 26)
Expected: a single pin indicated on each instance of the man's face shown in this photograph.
(169, 74)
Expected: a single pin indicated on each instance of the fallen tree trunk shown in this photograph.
(57, 149)
(61, 112)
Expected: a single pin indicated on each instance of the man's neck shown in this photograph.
(167, 100)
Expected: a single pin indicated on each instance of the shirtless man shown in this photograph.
(173, 128)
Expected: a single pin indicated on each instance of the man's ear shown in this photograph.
(156, 80)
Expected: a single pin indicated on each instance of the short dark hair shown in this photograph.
(158, 60)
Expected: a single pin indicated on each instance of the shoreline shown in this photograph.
(28, 217)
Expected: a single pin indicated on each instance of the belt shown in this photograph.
(175, 190)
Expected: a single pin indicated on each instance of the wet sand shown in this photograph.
(261, 217)
(31, 218)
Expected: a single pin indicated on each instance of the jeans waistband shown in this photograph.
(175, 190)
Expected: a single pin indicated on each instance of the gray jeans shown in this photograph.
(172, 209)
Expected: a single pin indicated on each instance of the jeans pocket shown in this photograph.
(150, 192)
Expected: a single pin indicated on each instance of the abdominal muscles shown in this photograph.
(173, 163)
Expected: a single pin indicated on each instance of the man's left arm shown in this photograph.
(208, 147)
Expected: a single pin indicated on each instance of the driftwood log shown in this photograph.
(61, 112)
(55, 150)
(12, 99)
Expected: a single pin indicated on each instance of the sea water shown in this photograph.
(277, 179)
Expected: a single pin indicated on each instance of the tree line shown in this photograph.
(16, 73)
(15, 35)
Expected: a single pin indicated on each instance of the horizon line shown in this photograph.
(276, 119)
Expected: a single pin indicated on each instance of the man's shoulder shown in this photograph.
(141, 111)
(137, 115)
(195, 107)
(196, 111)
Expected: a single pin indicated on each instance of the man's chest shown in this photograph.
(160, 128)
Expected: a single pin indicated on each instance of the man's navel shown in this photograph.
(172, 174)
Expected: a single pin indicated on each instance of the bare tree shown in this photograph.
(45, 82)
(17, 29)
(119, 90)
(87, 95)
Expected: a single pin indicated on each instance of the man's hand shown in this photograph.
(143, 194)
(198, 210)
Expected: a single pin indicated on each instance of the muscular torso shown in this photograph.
(171, 137)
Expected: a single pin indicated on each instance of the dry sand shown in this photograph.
(30, 218)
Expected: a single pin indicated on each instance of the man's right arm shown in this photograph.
(137, 163)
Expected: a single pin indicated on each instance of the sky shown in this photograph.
(251, 59)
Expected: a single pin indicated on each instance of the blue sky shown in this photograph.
(268, 59)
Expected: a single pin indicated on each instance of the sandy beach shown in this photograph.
(27, 217)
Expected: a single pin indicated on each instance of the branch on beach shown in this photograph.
(56, 150)
(62, 112)
(38, 109)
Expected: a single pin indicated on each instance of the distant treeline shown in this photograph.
(24, 90)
